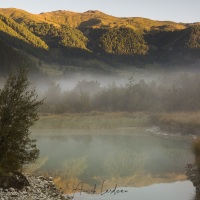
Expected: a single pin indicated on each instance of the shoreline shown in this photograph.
(40, 188)
(184, 123)
(193, 173)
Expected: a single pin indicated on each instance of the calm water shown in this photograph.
(132, 162)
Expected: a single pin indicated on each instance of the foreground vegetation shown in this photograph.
(18, 111)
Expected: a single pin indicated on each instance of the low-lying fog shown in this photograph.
(139, 90)
(69, 82)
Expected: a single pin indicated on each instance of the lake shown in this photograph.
(115, 164)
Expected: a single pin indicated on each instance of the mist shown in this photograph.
(133, 91)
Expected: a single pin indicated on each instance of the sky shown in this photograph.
(173, 10)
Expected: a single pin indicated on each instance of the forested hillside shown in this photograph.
(13, 29)
(11, 59)
(92, 37)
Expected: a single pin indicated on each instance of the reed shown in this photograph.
(183, 122)
(94, 120)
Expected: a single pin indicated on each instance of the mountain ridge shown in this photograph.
(91, 38)
(66, 16)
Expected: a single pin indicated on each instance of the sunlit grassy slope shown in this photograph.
(17, 31)
(95, 19)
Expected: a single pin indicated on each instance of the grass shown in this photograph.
(184, 122)
(94, 120)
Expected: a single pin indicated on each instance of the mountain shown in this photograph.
(9, 26)
(90, 19)
(11, 59)
(94, 39)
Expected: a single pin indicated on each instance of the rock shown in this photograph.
(51, 182)
(25, 193)
(41, 177)
(69, 198)
(39, 189)
(14, 194)
(45, 182)
(196, 182)
(11, 189)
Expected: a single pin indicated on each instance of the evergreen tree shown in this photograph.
(18, 111)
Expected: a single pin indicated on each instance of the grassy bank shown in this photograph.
(183, 122)
(94, 120)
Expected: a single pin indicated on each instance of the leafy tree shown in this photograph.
(18, 111)
(193, 37)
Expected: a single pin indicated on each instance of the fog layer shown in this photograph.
(163, 92)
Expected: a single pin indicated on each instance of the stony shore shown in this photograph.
(193, 173)
(40, 188)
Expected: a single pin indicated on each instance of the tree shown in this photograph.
(18, 111)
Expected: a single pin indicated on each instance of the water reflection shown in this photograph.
(33, 167)
(129, 158)
(73, 168)
(122, 164)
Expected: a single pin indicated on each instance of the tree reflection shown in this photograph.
(32, 168)
(124, 163)
(73, 168)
